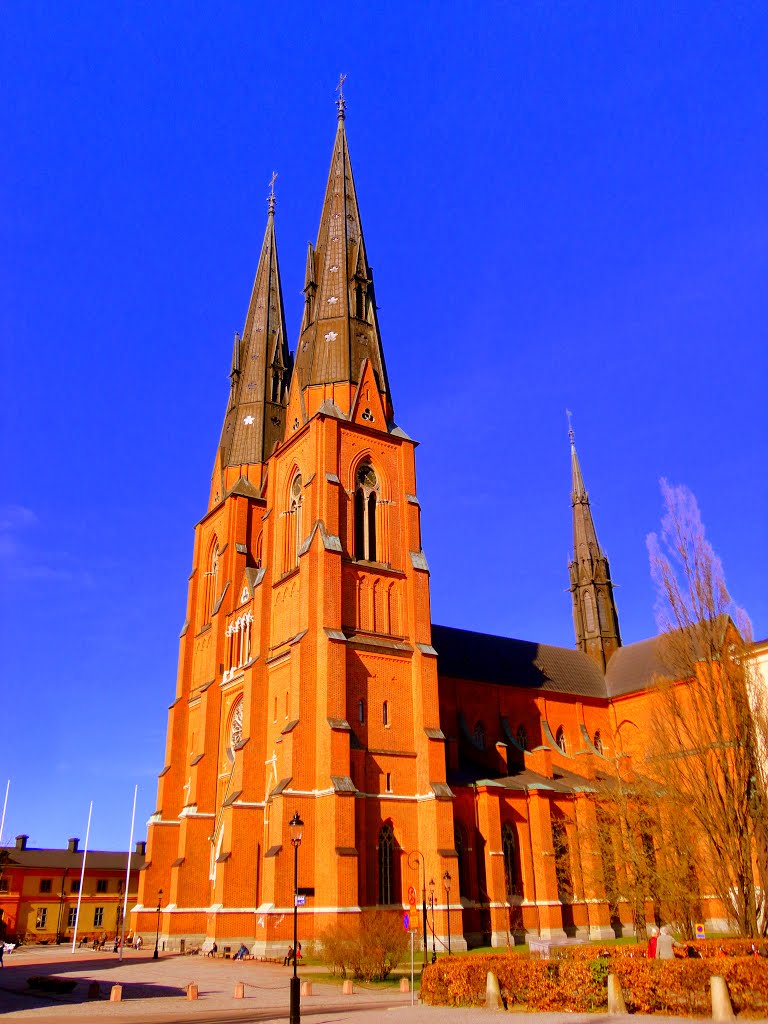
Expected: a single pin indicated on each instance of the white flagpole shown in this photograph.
(82, 877)
(128, 871)
(5, 804)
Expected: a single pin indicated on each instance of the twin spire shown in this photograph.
(339, 327)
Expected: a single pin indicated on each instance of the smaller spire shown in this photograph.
(271, 196)
(341, 103)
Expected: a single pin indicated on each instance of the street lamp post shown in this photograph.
(417, 854)
(295, 825)
(447, 886)
(432, 904)
(157, 930)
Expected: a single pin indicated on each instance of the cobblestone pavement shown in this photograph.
(154, 991)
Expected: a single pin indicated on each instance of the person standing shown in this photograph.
(665, 945)
(653, 936)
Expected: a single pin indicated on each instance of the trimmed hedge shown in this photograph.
(576, 980)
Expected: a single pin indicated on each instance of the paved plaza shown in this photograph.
(154, 991)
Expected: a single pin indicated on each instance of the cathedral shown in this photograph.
(430, 767)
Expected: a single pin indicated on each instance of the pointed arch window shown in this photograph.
(522, 737)
(560, 740)
(361, 712)
(293, 531)
(385, 713)
(386, 865)
(598, 742)
(589, 612)
(460, 842)
(509, 854)
(366, 497)
(211, 576)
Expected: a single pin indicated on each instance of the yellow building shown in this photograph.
(39, 891)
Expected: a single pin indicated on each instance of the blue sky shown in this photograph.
(565, 206)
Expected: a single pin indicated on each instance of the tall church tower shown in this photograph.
(307, 681)
(594, 609)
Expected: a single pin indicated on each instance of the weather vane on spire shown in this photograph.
(341, 103)
(571, 435)
(271, 196)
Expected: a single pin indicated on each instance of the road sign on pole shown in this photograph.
(406, 921)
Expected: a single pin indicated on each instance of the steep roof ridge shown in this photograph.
(261, 364)
(340, 327)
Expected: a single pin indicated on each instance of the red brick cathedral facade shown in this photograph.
(311, 678)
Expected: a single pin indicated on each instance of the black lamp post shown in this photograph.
(295, 825)
(417, 854)
(432, 904)
(447, 886)
(157, 931)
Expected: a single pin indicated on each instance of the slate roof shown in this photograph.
(462, 654)
(633, 667)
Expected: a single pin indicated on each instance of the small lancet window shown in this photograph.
(522, 737)
(560, 740)
(385, 712)
(598, 742)
(366, 491)
(361, 712)
(589, 612)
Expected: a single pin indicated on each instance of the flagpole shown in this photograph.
(128, 872)
(82, 877)
(5, 804)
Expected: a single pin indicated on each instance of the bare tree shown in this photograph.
(708, 726)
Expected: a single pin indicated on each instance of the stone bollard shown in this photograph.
(347, 988)
(94, 992)
(116, 994)
(240, 990)
(492, 992)
(721, 1000)
(192, 992)
(405, 985)
(306, 988)
(616, 1002)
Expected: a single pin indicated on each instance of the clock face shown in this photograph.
(236, 729)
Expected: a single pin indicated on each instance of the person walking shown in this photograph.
(653, 935)
(665, 945)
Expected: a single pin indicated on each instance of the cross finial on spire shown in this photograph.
(271, 196)
(341, 103)
(571, 435)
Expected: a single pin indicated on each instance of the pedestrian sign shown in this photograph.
(407, 921)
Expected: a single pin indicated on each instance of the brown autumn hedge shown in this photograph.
(576, 980)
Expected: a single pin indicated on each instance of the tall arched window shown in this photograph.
(385, 713)
(361, 712)
(294, 527)
(602, 611)
(211, 575)
(522, 737)
(366, 490)
(589, 612)
(562, 852)
(479, 735)
(560, 740)
(386, 865)
(460, 843)
(509, 854)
